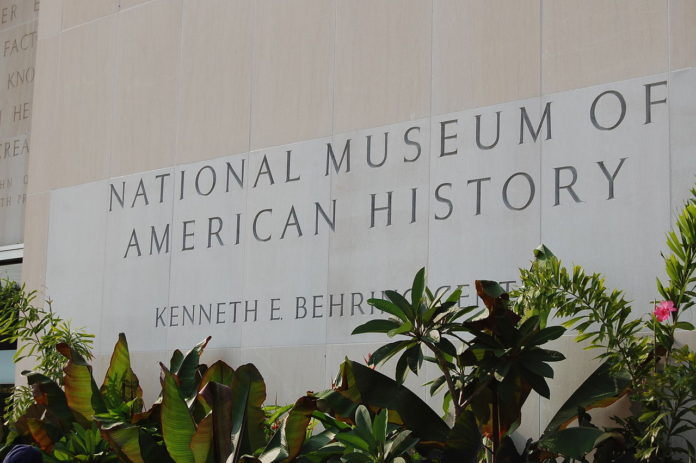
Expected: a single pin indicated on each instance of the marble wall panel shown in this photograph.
(75, 265)
(485, 196)
(381, 235)
(136, 272)
(682, 137)
(203, 296)
(628, 222)
(286, 241)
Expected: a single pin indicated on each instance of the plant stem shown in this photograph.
(496, 421)
(448, 378)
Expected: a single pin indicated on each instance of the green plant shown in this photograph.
(369, 441)
(81, 445)
(492, 375)
(658, 374)
(36, 331)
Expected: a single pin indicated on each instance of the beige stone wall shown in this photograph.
(18, 43)
(128, 86)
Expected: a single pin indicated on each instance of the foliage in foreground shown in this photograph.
(490, 362)
(490, 371)
(36, 331)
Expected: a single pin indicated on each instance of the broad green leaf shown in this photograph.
(81, 392)
(46, 392)
(464, 440)
(414, 358)
(401, 368)
(178, 426)
(124, 440)
(402, 443)
(417, 290)
(542, 253)
(447, 347)
(352, 441)
(248, 395)
(186, 373)
(295, 426)
(363, 426)
(684, 326)
(537, 382)
(403, 328)
(388, 307)
(379, 427)
(545, 335)
(220, 372)
(571, 442)
(363, 385)
(218, 398)
(176, 361)
(602, 388)
(538, 368)
(387, 351)
(119, 376)
(401, 302)
(288, 441)
(544, 355)
(202, 439)
(40, 435)
(377, 326)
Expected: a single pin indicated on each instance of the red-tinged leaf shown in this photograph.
(601, 389)
(40, 435)
(178, 426)
(248, 417)
(123, 440)
(218, 398)
(81, 392)
(120, 376)
(202, 439)
(220, 372)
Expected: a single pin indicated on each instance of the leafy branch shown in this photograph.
(37, 332)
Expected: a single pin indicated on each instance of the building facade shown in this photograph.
(256, 170)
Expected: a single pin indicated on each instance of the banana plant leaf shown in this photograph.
(120, 380)
(248, 395)
(218, 399)
(202, 439)
(363, 385)
(133, 444)
(287, 442)
(41, 434)
(49, 394)
(601, 389)
(571, 442)
(185, 368)
(464, 440)
(178, 426)
(220, 372)
(81, 392)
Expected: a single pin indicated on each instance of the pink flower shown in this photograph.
(663, 310)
